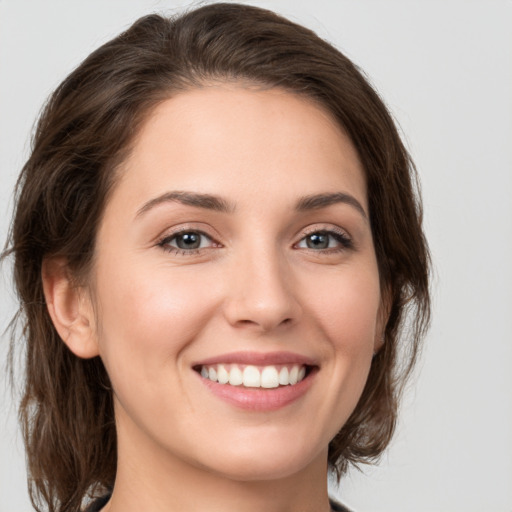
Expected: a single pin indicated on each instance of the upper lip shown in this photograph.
(257, 359)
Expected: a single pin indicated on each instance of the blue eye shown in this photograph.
(186, 241)
(322, 240)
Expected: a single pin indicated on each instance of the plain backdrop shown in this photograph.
(445, 70)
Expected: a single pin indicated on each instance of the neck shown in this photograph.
(148, 479)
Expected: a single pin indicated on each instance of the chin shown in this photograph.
(265, 463)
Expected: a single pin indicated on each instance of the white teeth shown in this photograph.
(235, 376)
(269, 377)
(222, 374)
(294, 375)
(254, 377)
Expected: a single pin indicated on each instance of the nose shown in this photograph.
(260, 293)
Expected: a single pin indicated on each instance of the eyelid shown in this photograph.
(185, 227)
(163, 240)
(176, 234)
(341, 235)
(326, 228)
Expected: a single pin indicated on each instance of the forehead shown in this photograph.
(229, 139)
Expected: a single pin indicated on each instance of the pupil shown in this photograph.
(318, 241)
(188, 241)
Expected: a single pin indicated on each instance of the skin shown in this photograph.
(153, 311)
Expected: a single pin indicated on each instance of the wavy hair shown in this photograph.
(86, 130)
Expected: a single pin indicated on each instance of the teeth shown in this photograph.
(283, 376)
(222, 374)
(253, 376)
(235, 376)
(294, 375)
(270, 377)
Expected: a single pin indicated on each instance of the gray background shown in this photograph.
(445, 70)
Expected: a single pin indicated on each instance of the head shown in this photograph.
(88, 132)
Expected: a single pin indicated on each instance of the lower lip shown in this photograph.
(259, 399)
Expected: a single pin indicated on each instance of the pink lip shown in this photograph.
(257, 359)
(259, 399)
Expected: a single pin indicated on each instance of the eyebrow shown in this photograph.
(319, 201)
(216, 203)
(206, 201)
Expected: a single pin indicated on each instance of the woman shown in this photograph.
(216, 240)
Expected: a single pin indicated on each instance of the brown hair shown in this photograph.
(86, 130)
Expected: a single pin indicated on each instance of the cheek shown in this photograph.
(343, 315)
(147, 317)
(348, 308)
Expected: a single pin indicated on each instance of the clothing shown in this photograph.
(99, 503)
(338, 507)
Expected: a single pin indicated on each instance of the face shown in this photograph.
(236, 285)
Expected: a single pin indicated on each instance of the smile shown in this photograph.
(250, 376)
(258, 381)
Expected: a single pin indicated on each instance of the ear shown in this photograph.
(382, 319)
(70, 308)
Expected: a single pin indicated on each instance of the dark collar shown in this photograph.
(99, 503)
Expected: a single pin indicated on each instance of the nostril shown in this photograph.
(286, 321)
(247, 322)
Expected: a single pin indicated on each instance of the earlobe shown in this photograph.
(70, 308)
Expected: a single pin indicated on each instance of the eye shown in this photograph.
(322, 240)
(187, 241)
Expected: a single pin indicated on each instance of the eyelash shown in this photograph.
(164, 243)
(344, 241)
